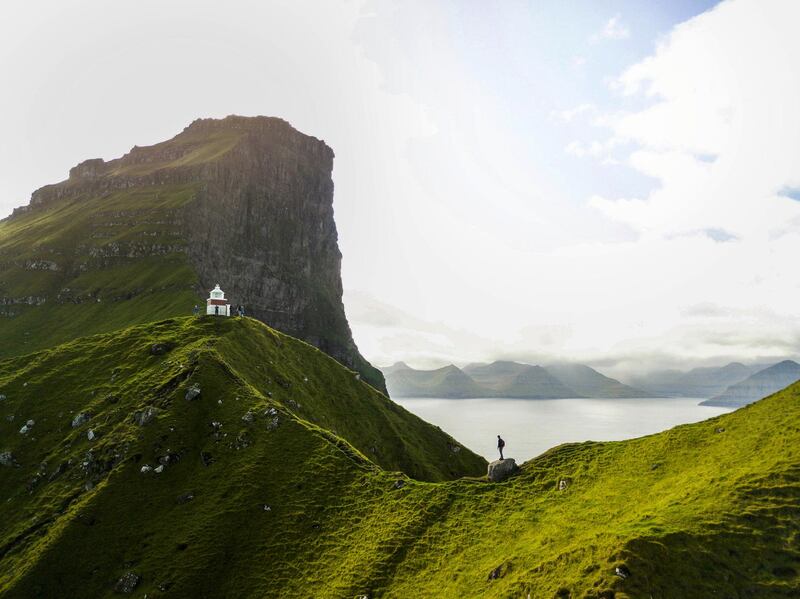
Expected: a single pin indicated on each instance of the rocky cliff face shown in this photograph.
(257, 218)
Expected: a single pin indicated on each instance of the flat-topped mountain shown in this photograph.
(505, 379)
(761, 384)
(243, 202)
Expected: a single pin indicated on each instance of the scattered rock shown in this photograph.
(501, 469)
(293, 404)
(146, 468)
(273, 423)
(719, 429)
(192, 393)
(30, 423)
(453, 447)
(159, 469)
(206, 458)
(266, 508)
(159, 349)
(271, 412)
(24, 430)
(91, 435)
(127, 583)
(399, 484)
(622, 571)
(81, 419)
(186, 497)
(7, 459)
(249, 417)
(2, 397)
(146, 416)
(563, 484)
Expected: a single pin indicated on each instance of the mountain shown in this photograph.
(762, 383)
(243, 202)
(698, 382)
(590, 383)
(282, 475)
(449, 382)
(511, 379)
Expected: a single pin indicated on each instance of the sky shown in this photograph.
(610, 182)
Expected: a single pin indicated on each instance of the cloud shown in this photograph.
(614, 29)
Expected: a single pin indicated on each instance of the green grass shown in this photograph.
(119, 260)
(703, 510)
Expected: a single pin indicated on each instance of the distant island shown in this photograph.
(506, 379)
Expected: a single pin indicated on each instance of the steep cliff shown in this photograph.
(243, 202)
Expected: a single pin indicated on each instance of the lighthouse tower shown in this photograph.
(216, 304)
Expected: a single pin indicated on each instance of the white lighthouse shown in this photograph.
(216, 304)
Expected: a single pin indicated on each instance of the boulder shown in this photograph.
(192, 393)
(501, 469)
(127, 583)
(81, 419)
(7, 459)
(146, 416)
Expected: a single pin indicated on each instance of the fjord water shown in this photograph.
(531, 426)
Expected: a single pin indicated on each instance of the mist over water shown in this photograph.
(530, 427)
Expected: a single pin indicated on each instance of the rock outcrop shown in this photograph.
(500, 470)
(256, 216)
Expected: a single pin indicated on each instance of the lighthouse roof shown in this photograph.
(216, 293)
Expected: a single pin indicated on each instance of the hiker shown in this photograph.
(500, 445)
(241, 311)
(196, 310)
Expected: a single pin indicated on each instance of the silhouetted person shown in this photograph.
(216, 310)
(196, 310)
(500, 445)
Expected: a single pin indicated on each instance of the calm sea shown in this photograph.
(530, 427)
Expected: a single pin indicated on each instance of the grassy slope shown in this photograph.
(113, 291)
(703, 510)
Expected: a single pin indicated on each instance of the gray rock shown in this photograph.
(127, 583)
(501, 469)
(91, 435)
(159, 469)
(146, 468)
(192, 393)
(24, 430)
(81, 419)
(249, 417)
(7, 459)
(30, 423)
(146, 416)
(186, 497)
(2, 397)
(563, 484)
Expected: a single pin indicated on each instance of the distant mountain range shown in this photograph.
(505, 379)
(757, 386)
(698, 382)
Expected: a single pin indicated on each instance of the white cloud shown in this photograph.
(614, 29)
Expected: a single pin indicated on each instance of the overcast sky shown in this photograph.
(611, 182)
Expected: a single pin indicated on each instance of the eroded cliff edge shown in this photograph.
(257, 218)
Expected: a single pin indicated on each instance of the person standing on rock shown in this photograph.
(500, 445)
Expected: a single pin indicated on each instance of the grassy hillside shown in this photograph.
(276, 504)
(93, 265)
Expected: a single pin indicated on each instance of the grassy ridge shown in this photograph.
(703, 510)
(93, 265)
